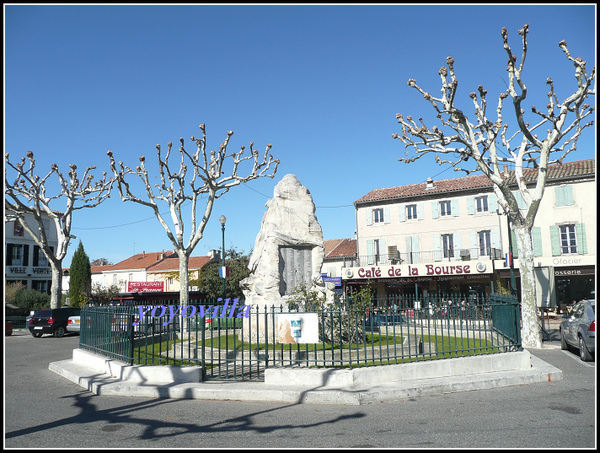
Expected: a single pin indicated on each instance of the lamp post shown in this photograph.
(223, 219)
(513, 285)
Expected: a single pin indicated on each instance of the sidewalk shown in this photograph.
(83, 371)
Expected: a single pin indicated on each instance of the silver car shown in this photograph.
(73, 324)
(579, 330)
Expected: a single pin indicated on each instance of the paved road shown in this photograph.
(44, 410)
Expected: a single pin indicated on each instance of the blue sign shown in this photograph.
(336, 280)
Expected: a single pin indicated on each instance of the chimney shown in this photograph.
(430, 184)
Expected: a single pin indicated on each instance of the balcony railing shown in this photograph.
(431, 256)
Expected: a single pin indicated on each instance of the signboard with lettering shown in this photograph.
(458, 268)
(145, 287)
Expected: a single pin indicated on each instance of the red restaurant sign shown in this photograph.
(145, 287)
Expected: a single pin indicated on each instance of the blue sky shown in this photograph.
(321, 83)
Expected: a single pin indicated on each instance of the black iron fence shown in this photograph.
(232, 341)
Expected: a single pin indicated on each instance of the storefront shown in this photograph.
(560, 280)
(468, 278)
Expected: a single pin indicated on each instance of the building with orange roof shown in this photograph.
(449, 236)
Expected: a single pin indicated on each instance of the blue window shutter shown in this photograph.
(520, 200)
(369, 216)
(370, 254)
(386, 215)
(420, 213)
(564, 195)
(555, 240)
(495, 238)
(437, 247)
(455, 208)
(492, 203)
(471, 205)
(536, 236)
(402, 216)
(581, 238)
(434, 210)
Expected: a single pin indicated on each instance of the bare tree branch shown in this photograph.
(489, 144)
(209, 174)
(26, 194)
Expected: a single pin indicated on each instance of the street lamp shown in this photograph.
(223, 219)
(513, 285)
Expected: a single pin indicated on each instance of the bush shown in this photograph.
(30, 299)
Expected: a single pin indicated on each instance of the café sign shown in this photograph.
(419, 270)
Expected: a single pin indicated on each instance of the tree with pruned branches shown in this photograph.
(206, 177)
(27, 195)
(547, 139)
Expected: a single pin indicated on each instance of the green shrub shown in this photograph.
(30, 299)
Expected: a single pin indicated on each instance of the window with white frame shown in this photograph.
(448, 245)
(17, 255)
(485, 245)
(411, 211)
(378, 215)
(568, 239)
(481, 204)
(445, 208)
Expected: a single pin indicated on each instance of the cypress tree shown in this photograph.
(80, 283)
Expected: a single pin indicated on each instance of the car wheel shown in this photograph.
(59, 332)
(36, 334)
(563, 343)
(584, 354)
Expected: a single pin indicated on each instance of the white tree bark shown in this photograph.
(26, 194)
(206, 176)
(487, 141)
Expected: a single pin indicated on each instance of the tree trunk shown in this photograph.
(56, 289)
(184, 282)
(531, 335)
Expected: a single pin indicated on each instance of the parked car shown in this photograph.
(73, 323)
(51, 320)
(374, 322)
(578, 329)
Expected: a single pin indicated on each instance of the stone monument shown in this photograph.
(288, 251)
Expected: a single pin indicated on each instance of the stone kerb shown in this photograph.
(138, 374)
(414, 371)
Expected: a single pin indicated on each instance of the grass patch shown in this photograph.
(445, 347)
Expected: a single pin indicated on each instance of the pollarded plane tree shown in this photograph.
(490, 145)
(27, 196)
(207, 182)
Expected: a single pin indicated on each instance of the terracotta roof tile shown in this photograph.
(172, 264)
(339, 248)
(142, 260)
(579, 168)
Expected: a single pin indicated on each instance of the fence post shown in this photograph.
(131, 338)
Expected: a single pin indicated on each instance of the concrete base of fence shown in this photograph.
(320, 386)
(138, 374)
(332, 378)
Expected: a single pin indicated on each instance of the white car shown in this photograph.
(73, 324)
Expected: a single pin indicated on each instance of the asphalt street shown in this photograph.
(45, 410)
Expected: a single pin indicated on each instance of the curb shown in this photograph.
(103, 384)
